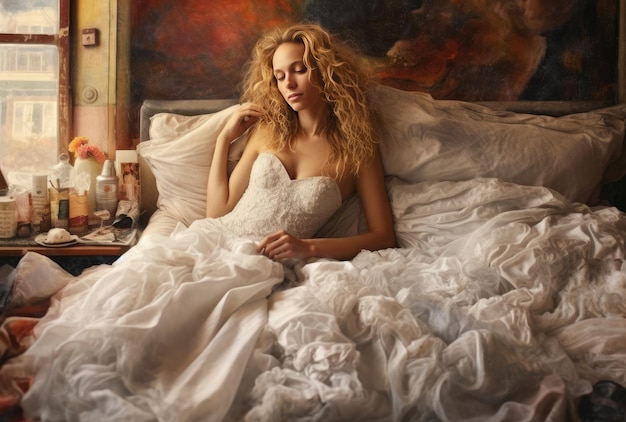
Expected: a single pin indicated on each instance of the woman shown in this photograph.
(307, 103)
(171, 330)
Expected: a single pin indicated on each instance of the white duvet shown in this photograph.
(504, 303)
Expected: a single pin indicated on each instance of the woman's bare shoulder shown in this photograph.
(260, 137)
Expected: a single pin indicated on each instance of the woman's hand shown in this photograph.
(281, 245)
(240, 121)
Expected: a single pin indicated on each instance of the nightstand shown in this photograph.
(74, 259)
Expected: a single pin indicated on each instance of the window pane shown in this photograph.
(28, 110)
(29, 17)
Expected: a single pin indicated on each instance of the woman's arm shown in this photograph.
(223, 192)
(371, 189)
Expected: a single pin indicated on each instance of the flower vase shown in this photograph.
(93, 169)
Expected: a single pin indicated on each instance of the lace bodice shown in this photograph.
(273, 201)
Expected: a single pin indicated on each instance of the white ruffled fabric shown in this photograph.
(505, 303)
(166, 331)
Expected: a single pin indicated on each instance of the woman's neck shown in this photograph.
(312, 123)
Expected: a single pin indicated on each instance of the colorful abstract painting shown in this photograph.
(452, 49)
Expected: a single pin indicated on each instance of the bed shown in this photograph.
(504, 299)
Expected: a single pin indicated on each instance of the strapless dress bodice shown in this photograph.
(273, 201)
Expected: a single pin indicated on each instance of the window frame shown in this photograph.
(62, 41)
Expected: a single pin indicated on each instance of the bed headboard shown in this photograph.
(185, 107)
(194, 107)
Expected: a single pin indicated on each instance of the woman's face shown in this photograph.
(293, 78)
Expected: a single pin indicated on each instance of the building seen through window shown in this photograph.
(29, 88)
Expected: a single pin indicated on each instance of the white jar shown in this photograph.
(8, 217)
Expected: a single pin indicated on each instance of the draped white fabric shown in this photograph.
(166, 331)
(505, 302)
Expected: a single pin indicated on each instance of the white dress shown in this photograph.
(167, 332)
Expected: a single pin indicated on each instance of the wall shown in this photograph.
(182, 49)
(621, 58)
(483, 50)
(100, 88)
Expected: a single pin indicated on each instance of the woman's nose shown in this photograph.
(291, 81)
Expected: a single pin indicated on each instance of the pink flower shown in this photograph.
(81, 149)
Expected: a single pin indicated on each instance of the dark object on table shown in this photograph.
(606, 403)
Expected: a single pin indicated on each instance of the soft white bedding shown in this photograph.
(507, 303)
(504, 300)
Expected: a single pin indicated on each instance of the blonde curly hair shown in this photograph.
(349, 128)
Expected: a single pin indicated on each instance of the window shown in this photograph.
(34, 86)
(34, 119)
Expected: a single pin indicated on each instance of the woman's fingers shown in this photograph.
(269, 244)
(280, 245)
(241, 120)
(250, 113)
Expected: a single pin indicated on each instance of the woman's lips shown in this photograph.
(292, 97)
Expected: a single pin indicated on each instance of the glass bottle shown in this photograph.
(62, 172)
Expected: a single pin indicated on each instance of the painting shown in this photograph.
(476, 50)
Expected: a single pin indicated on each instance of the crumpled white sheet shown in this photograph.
(505, 303)
(167, 330)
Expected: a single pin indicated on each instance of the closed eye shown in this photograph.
(300, 70)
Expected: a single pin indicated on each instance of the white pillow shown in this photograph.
(179, 154)
(170, 125)
(423, 139)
